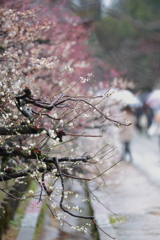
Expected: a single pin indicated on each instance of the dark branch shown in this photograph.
(20, 130)
(62, 197)
(7, 176)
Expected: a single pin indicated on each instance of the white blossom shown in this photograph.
(51, 133)
(31, 191)
(53, 205)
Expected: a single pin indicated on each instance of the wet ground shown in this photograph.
(135, 200)
(134, 195)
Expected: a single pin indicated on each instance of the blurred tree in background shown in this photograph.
(129, 37)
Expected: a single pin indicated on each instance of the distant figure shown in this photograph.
(126, 132)
(157, 119)
(149, 113)
(138, 113)
(144, 112)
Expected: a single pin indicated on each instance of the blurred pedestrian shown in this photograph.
(138, 114)
(127, 132)
(157, 119)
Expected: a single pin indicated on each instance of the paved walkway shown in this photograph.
(30, 220)
(146, 156)
(134, 195)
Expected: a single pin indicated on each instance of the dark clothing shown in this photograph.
(127, 151)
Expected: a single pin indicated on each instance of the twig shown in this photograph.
(62, 197)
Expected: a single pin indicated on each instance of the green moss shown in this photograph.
(112, 220)
(14, 225)
(117, 219)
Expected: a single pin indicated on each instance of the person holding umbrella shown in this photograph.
(126, 132)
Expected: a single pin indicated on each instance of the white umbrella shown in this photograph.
(125, 97)
(153, 100)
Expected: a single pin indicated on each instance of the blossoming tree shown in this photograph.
(43, 103)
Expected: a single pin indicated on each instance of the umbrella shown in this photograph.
(143, 96)
(125, 97)
(153, 100)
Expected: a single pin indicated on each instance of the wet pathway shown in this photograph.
(136, 202)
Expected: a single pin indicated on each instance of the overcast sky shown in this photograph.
(107, 2)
